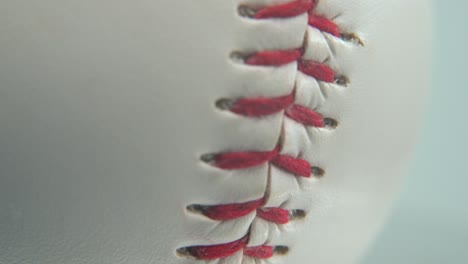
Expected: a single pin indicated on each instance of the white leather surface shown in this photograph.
(106, 106)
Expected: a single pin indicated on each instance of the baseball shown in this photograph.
(205, 131)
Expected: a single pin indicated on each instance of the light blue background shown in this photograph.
(430, 221)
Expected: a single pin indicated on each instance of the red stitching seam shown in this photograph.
(258, 107)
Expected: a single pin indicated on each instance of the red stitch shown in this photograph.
(231, 211)
(296, 8)
(274, 57)
(317, 70)
(242, 160)
(257, 107)
(217, 251)
(260, 252)
(304, 116)
(296, 166)
(261, 106)
(225, 250)
(274, 215)
(324, 25)
(285, 10)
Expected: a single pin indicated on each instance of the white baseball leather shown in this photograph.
(107, 106)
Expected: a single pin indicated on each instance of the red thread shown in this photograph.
(324, 25)
(314, 69)
(225, 250)
(317, 70)
(285, 10)
(260, 252)
(255, 107)
(304, 116)
(217, 251)
(299, 167)
(274, 215)
(242, 160)
(232, 211)
(274, 57)
(262, 106)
